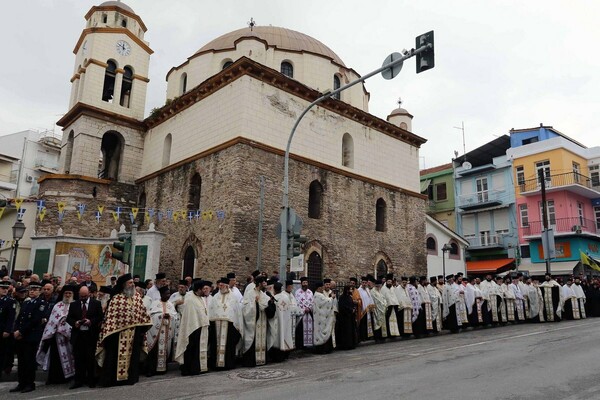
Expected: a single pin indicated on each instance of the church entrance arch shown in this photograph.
(111, 151)
(314, 268)
(189, 261)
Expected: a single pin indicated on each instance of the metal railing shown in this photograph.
(562, 225)
(558, 180)
(483, 197)
(485, 241)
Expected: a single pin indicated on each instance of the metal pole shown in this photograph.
(133, 240)
(444, 263)
(260, 223)
(286, 161)
(14, 260)
(542, 179)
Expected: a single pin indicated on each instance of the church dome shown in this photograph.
(399, 111)
(280, 38)
(117, 4)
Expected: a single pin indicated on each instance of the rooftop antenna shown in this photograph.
(465, 164)
(251, 23)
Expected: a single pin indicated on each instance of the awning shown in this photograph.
(490, 266)
(556, 268)
(425, 185)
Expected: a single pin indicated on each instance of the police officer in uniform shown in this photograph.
(8, 307)
(29, 327)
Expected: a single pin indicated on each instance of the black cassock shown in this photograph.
(346, 336)
(551, 294)
(233, 337)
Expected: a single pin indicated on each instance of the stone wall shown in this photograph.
(93, 192)
(345, 232)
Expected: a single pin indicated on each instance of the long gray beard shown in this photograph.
(129, 292)
(104, 301)
(68, 301)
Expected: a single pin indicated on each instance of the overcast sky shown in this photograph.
(499, 64)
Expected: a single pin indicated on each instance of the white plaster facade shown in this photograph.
(436, 258)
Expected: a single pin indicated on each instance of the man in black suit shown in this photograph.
(85, 317)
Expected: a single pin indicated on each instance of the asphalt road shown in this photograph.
(534, 362)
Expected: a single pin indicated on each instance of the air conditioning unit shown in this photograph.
(28, 178)
(576, 228)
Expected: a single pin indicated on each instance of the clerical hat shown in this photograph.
(231, 275)
(259, 279)
(108, 289)
(389, 277)
(372, 279)
(303, 279)
(255, 273)
(137, 284)
(289, 282)
(183, 282)
(404, 278)
(162, 290)
(197, 284)
(224, 280)
(327, 280)
(207, 283)
(353, 279)
(122, 279)
(277, 286)
(433, 279)
(161, 275)
(449, 276)
(318, 284)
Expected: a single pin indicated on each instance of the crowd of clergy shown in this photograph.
(110, 335)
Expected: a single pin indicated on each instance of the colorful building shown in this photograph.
(569, 172)
(438, 184)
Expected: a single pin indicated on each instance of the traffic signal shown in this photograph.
(124, 245)
(295, 243)
(426, 59)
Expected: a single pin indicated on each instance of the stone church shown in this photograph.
(194, 167)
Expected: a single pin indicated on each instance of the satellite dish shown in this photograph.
(467, 165)
(391, 72)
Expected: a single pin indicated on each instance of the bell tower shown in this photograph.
(103, 128)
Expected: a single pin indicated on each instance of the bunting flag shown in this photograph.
(207, 215)
(198, 214)
(176, 216)
(2, 211)
(118, 212)
(589, 261)
(134, 211)
(21, 213)
(100, 209)
(169, 213)
(80, 210)
(115, 216)
(41, 204)
(18, 203)
(147, 216)
(160, 216)
(61, 206)
(220, 215)
(131, 217)
(2, 243)
(42, 214)
(190, 216)
(98, 216)
(150, 212)
(61, 215)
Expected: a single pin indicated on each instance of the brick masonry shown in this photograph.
(345, 232)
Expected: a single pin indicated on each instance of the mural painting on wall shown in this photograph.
(90, 260)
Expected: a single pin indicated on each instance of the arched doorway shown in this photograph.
(381, 270)
(314, 268)
(189, 259)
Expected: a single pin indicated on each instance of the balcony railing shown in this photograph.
(485, 241)
(480, 199)
(558, 180)
(562, 225)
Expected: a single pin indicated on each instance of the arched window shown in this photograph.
(403, 126)
(189, 261)
(314, 268)
(104, 18)
(431, 245)
(380, 211)
(183, 83)
(109, 81)
(315, 199)
(227, 64)
(111, 149)
(287, 69)
(381, 270)
(454, 250)
(347, 151)
(124, 22)
(126, 86)
(167, 150)
(69, 152)
(336, 85)
(194, 192)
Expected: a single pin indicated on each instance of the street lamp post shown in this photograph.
(446, 248)
(391, 67)
(18, 230)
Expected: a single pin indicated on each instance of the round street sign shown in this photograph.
(391, 72)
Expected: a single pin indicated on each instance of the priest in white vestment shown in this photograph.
(257, 308)
(570, 302)
(552, 295)
(404, 307)
(233, 287)
(436, 303)
(381, 332)
(451, 298)
(161, 334)
(578, 289)
(192, 341)
(366, 328)
(392, 303)
(226, 324)
(426, 303)
(282, 326)
(323, 324)
(304, 327)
